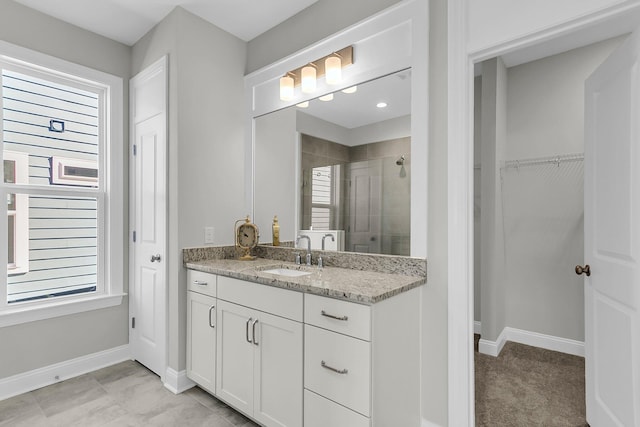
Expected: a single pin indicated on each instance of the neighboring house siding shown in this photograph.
(62, 231)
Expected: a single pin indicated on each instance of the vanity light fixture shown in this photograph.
(333, 69)
(286, 88)
(327, 97)
(352, 89)
(304, 104)
(306, 76)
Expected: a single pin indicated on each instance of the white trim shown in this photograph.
(41, 377)
(427, 423)
(461, 390)
(534, 339)
(461, 366)
(492, 348)
(477, 327)
(177, 382)
(59, 307)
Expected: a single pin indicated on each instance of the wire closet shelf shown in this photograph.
(557, 160)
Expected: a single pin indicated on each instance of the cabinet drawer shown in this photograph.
(321, 412)
(269, 299)
(201, 282)
(341, 316)
(338, 367)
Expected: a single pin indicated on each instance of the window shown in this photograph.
(16, 172)
(61, 127)
(324, 196)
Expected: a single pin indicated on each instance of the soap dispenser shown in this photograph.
(276, 231)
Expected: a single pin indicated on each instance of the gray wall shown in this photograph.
(206, 144)
(477, 117)
(435, 294)
(312, 24)
(37, 344)
(492, 150)
(544, 230)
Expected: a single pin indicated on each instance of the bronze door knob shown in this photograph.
(586, 270)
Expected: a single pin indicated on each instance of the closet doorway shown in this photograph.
(529, 230)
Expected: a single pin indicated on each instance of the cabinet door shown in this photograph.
(201, 340)
(234, 372)
(278, 371)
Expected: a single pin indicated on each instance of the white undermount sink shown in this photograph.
(287, 272)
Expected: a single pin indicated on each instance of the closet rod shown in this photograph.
(544, 161)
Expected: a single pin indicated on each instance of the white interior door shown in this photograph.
(148, 291)
(365, 206)
(612, 239)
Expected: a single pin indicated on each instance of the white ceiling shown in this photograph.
(359, 109)
(128, 20)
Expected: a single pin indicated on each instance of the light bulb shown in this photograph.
(286, 88)
(333, 70)
(308, 79)
(327, 97)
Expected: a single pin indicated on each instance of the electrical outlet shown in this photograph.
(208, 234)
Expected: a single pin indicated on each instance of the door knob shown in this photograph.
(586, 270)
(155, 258)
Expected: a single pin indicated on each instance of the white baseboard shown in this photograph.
(427, 423)
(477, 327)
(177, 382)
(493, 348)
(41, 377)
(535, 339)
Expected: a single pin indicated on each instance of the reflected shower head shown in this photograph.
(400, 161)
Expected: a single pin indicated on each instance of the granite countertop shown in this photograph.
(366, 287)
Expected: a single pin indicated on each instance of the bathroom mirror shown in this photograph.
(339, 167)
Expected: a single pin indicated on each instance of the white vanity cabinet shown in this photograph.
(290, 359)
(259, 351)
(362, 362)
(201, 329)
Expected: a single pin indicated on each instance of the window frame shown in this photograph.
(334, 196)
(109, 194)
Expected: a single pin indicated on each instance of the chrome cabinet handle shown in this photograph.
(253, 331)
(200, 283)
(337, 371)
(155, 258)
(325, 314)
(210, 310)
(247, 330)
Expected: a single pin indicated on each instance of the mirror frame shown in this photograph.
(389, 41)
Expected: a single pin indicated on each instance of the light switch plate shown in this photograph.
(208, 234)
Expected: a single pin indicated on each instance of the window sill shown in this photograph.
(24, 314)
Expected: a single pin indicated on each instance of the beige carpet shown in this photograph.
(529, 386)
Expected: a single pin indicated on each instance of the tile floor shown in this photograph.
(123, 395)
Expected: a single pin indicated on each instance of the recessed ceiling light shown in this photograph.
(304, 104)
(327, 97)
(351, 89)
(381, 104)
